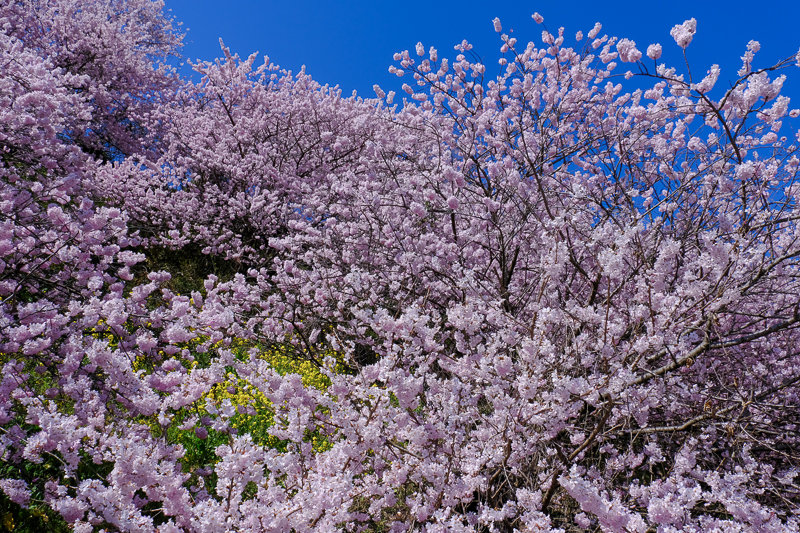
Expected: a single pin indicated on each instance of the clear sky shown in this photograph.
(351, 43)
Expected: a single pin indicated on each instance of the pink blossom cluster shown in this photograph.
(541, 301)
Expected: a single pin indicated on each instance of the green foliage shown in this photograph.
(255, 414)
(37, 517)
(189, 267)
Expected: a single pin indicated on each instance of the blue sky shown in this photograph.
(351, 43)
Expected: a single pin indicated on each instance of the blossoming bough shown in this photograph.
(539, 301)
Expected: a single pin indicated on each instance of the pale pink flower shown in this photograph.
(683, 33)
(16, 490)
(628, 53)
(497, 26)
(654, 51)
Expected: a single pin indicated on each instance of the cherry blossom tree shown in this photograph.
(561, 298)
(116, 52)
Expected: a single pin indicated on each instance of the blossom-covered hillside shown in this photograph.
(565, 298)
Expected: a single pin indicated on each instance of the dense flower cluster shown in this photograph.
(541, 301)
